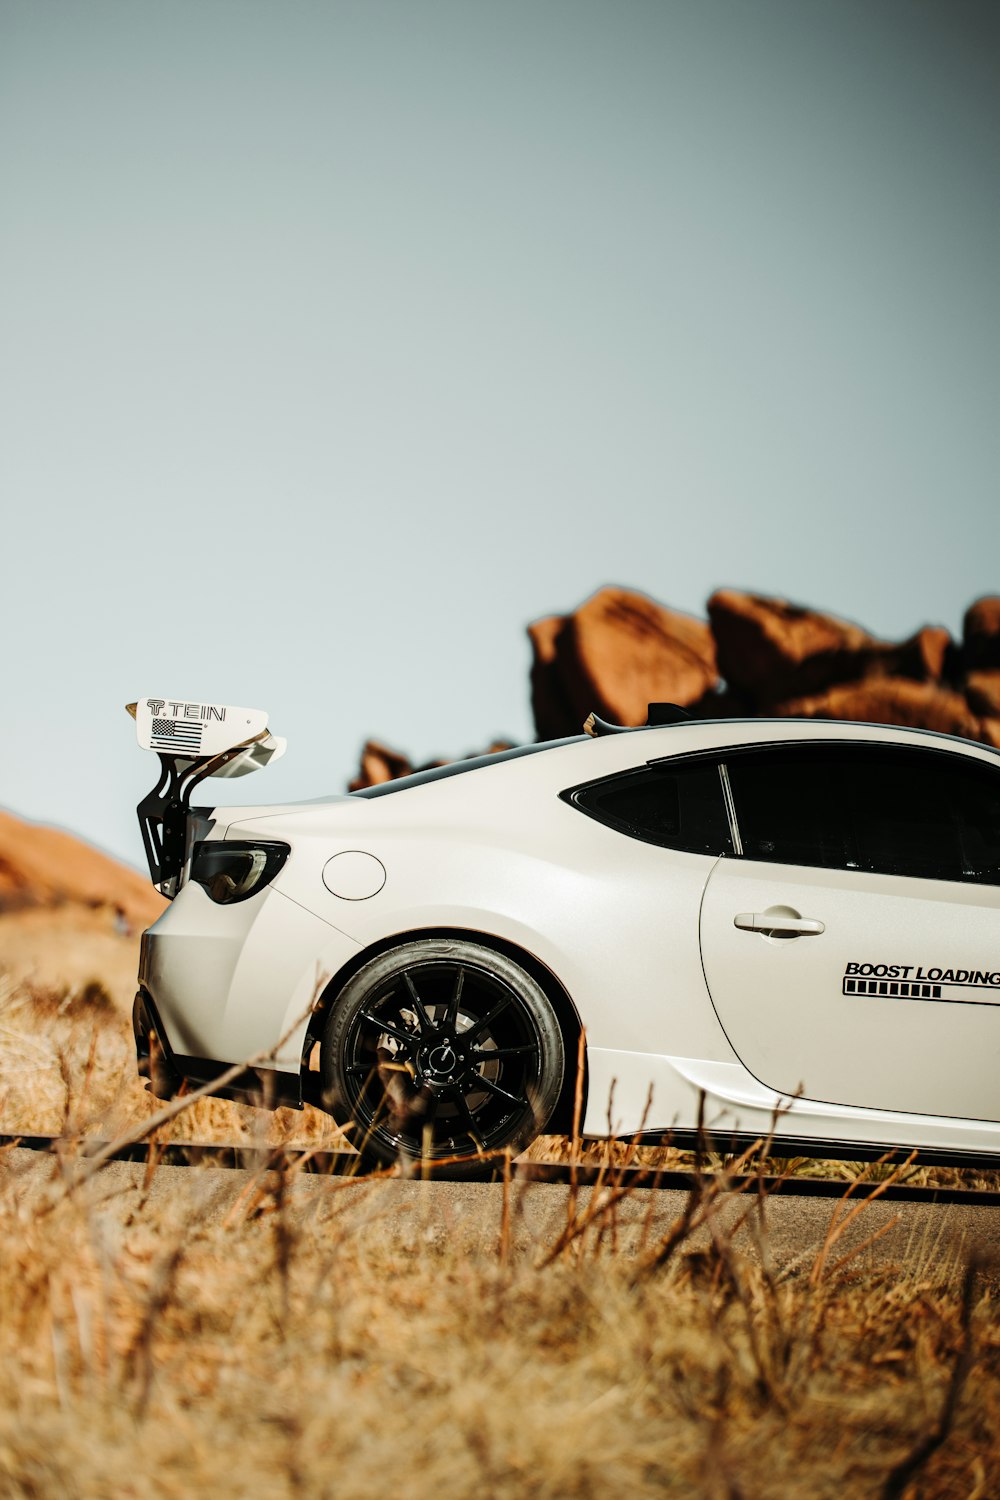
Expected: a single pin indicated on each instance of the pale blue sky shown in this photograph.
(337, 341)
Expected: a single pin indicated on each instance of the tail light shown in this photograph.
(231, 871)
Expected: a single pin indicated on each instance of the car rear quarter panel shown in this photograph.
(230, 983)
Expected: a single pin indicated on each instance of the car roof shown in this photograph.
(690, 736)
(458, 767)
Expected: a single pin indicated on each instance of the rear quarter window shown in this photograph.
(678, 806)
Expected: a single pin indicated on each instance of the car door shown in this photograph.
(852, 945)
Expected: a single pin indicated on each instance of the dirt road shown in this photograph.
(416, 1216)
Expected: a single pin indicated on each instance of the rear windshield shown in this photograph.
(457, 767)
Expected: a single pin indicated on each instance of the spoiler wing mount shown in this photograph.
(192, 742)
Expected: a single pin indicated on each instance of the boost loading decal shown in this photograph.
(915, 982)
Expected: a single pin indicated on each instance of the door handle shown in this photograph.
(780, 921)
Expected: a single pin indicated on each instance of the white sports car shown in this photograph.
(786, 915)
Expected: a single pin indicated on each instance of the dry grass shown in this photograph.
(67, 1058)
(312, 1343)
(67, 1066)
(170, 1332)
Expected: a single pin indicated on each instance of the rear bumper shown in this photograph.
(167, 1072)
(222, 984)
(154, 1055)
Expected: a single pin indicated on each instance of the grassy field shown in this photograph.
(149, 1346)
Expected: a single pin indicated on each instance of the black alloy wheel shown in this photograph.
(442, 1051)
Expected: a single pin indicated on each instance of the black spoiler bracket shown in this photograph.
(163, 815)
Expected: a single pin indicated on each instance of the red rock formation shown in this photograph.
(774, 650)
(981, 633)
(922, 657)
(982, 692)
(617, 653)
(550, 704)
(378, 764)
(892, 700)
(622, 650)
(42, 866)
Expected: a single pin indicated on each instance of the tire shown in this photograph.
(399, 1076)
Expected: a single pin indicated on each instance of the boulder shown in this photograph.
(982, 692)
(617, 653)
(550, 704)
(981, 633)
(892, 700)
(773, 650)
(622, 650)
(378, 764)
(46, 867)
(924, 656)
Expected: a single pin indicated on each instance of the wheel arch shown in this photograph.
(570, 1024)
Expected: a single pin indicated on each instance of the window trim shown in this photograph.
(747, 747)
(727, 797)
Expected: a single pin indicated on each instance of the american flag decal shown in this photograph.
(183, 735)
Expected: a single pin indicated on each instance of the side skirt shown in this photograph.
(734, 1143)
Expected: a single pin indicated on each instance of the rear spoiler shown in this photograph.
(193, 741)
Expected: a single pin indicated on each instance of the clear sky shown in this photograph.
(339, 340)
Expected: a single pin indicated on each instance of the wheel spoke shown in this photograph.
(477, 1027)
(451, 1014)
(418, 1004)
(489, 1053)
(406, 1037)
(471, 1119)
(494, 1088)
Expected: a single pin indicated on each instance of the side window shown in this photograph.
(979, 819)
(927, 814)
(678, 805)
(788, 807)
(922, 813)
(903, 815)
